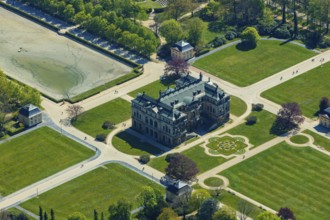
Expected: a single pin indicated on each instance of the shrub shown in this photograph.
(2, 134)
(108, 125)
(282, 32)
(144, 159)
(251, 120)
(219, 40)
(101, 137)
(231, 35)
(257, 107)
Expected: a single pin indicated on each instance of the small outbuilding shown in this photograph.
(176, 190)
(183, 50)
(30, 115)
(325, 118)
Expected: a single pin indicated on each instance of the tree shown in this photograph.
(250, 37)
(95, 215)
(286, 214)
(199, 196)
(267, 216)
(207, 209)
(41, 217)
(245, 209)
(288, 117)
(52, 214)
(175, 8)
(324, 103)
(152, 201)
(74, 111)
(144, 159)
(120, 210)
(224, 214)
(167, 214)
(181, 168)
(195, 28)
(176, 67)
(251, 120)
(172, 31)
(77, 216)
(45, 216)
(181, 204)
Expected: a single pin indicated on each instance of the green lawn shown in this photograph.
(244, 68)
(91, 121)
(196, 153)
(94, 190)
(237, 106)
(149, 4)
(130, 144)
(152, 89)
(213, 182)
(232, 201)
(258, 133)
(306, 89)
(319, 140)
(35, 156)
(226, 145)
(286, 176)
(299, 139)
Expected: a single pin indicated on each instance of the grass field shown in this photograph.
(213, 182)
(244, 68)
(299, 139)
(130, 144)
(299, 90)
(196, 153)
(94, 190)
(149, 4)
(258, 133)
(237, 106)
(35, 156)
(115, 111)
(286, 176)
(152, 89)
(319, 140)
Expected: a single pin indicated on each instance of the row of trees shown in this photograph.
(111, 20)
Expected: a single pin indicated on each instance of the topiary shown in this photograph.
(101, 137)
(108, 125)
(144, 159)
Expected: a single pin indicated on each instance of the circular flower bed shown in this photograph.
(226, 145)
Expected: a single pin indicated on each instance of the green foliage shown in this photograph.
(172, 31)
(224, 213)
(250, 36)
(167, 214)
(121, 210)
(195, 28)
(101, 137)
(144, 159)
(77, 216)
(198, 197)
(207, 209)
(112, 20)
(153, 202)
(267, 216)
(251, 120)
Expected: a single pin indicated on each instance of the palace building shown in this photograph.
(178, 111)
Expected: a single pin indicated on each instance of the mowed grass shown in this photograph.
(319, 140)
(213, 182)
(35, 156)
(299, 139)
(130, 144)
(286, 176)
(306, 89)
(115, 111)
(258, 133)
(95, 190)
(244, 68)
(197, 154)
(152, 89)
(237, 106)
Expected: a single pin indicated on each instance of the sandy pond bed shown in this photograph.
(54, 64)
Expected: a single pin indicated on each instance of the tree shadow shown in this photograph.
(245, 46)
